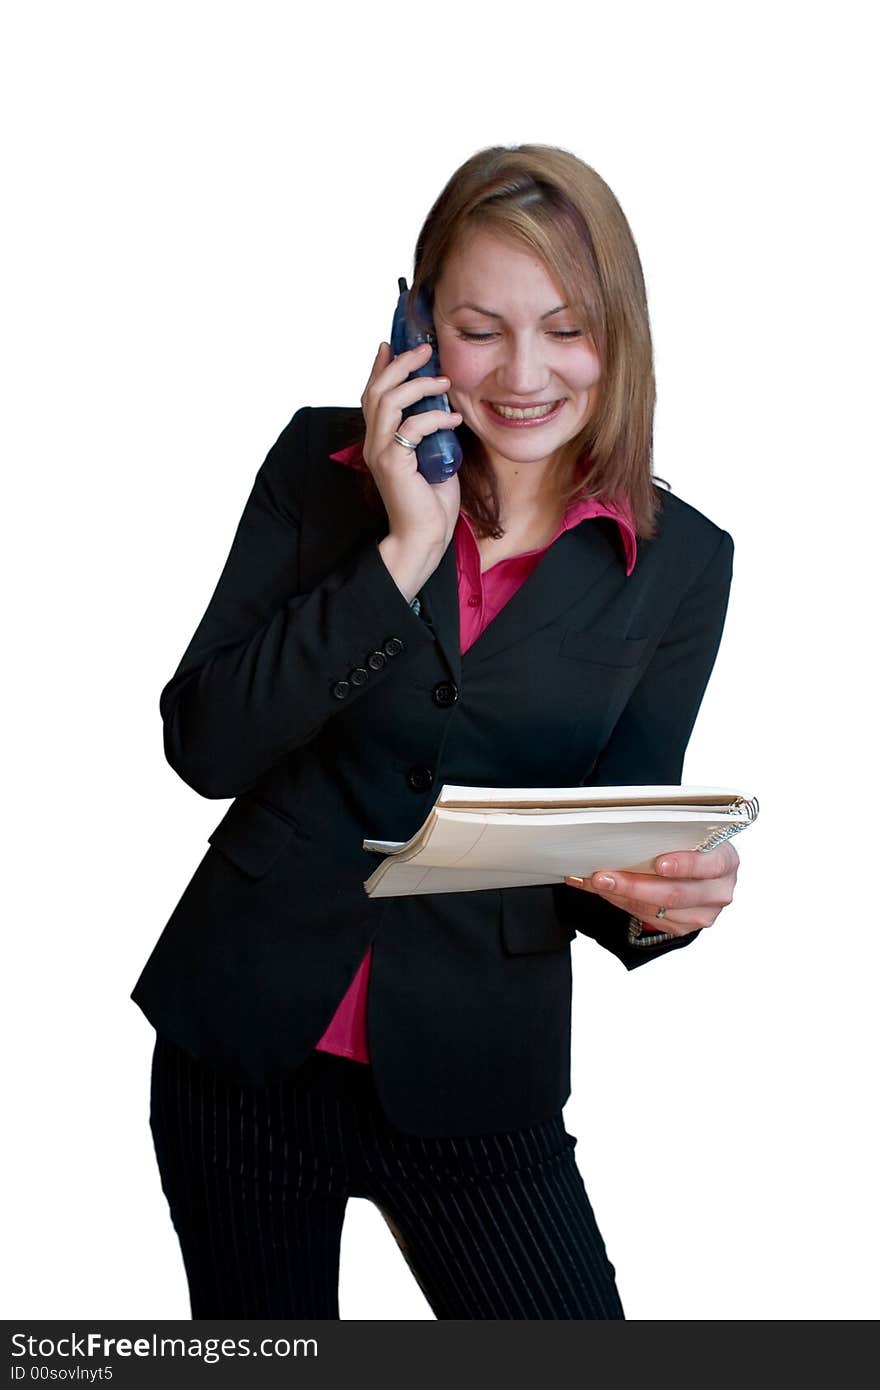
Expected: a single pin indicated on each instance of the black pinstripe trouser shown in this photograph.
(257, 1178)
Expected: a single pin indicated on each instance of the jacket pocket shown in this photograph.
(252, 836)
(529, 922)
(602, 649)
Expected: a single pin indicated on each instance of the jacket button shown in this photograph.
(420, 778)
(444, 694)
(392, 646)
(376, 660)
(359, 676)
(341, 689)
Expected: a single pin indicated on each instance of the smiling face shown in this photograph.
(524, 372)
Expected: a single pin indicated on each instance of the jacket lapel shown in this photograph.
(439, 609)
(565, 575)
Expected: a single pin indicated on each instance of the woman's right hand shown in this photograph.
(421, 515)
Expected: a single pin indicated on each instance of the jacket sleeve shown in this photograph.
(648, 743)
(268, 665)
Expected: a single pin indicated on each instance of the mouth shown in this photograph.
(521, 417)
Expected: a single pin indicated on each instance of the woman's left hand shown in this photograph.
(693, 885)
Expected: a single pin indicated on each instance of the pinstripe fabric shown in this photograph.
(257, 1179)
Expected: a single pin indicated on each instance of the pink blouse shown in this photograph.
(480, 597)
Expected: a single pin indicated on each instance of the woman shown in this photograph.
(546, 617)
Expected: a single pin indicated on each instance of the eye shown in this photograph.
(563, 334)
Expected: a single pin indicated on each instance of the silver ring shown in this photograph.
(407, 443)
(661, 912)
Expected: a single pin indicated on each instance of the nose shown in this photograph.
(524, 371)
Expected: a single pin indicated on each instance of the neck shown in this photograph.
(525, 489)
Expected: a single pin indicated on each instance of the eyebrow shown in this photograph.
(491, 314)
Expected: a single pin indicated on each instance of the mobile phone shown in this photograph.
(438, 456)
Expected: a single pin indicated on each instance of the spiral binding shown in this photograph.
(637, 936)
(751, 806)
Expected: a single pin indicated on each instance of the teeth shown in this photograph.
(533, 413)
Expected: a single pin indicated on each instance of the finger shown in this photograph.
(388, 370)
(676, 923)
(651, 889)
(702, 915)
(397, 398)
(396, 369)
(416, 427)
(382, 358)
(690, 863)
(687, 918)
(385, 407)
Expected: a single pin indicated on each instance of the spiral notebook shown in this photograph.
(507, 837)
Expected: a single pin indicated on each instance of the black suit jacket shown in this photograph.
(586, 676)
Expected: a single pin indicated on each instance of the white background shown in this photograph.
(210, 207)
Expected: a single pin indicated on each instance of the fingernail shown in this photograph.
(603, 880)
(576, 882)
(666, 866)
